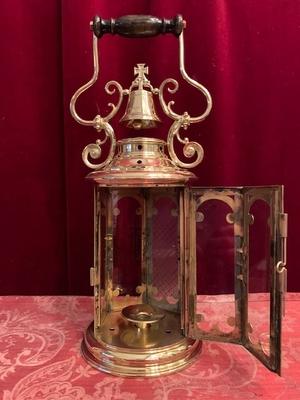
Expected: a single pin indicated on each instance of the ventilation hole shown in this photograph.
(167, 331)
(139, 161)
(140, 147)
(111, 329)
(160, 148)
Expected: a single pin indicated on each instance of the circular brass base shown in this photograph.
(139, 361)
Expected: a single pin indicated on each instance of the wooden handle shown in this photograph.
(137, 26)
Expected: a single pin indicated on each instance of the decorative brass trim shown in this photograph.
(154, 353)
(99, 123)
(190, 149)
(232, 197)
(283, 230)
(281, 265)
(244, 198)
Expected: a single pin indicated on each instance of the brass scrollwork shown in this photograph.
(189, 148)
(93, 150)
(183, 120)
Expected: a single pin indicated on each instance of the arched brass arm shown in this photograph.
(167, 108)
(93, 150)
(194, 83)
(98, 121)
(85, 87)
(190, 149)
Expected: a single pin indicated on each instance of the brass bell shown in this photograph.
(140, 112)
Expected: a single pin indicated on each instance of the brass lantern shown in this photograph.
(165, 250)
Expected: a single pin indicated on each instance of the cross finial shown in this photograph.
(141, 70)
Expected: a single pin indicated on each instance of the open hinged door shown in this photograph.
(234, 275)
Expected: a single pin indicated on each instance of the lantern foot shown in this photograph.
(133, 352)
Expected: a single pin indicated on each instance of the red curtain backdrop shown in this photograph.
(246, 52)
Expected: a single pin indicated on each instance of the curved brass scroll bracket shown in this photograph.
(189, 148)
(183, 120)
(99, 123)
(94, 149)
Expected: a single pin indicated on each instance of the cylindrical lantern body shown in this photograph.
(138, 326)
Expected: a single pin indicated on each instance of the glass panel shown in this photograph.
(239, 237)
(260, 275)
(263, 207)
(217, 241)
(165, 239)
(127, 227)
(101, 240)
(140, 251)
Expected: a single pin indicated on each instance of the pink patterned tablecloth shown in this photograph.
(40, 359)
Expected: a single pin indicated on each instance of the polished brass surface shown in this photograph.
(121, 348)
(240, 200)
(99, 123)
(141, 162)
(140, 112)
(142, 315)
(143, 332)
(118, 329)
(190, 148)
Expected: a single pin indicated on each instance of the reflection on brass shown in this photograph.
(230, 218)
(251, 219)
(142, 162)
(123, 359)
(98, 122)
(122, 348)
(151, 327)
(142, 315)
(184, 120)
(140, 112)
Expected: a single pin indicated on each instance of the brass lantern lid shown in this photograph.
(141, 162)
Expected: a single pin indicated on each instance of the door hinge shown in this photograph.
(93, 277)
(283, 224)
(281, 265)
(283, 228)
(282, 283)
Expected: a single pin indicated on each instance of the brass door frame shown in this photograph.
(240, 200)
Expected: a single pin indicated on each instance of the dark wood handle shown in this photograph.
(137, 26)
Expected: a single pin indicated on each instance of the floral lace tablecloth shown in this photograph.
(40, 359)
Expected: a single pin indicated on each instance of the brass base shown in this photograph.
(123, 349)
